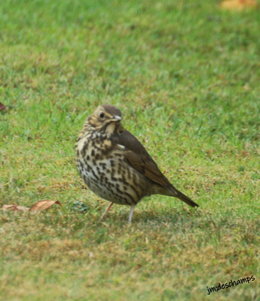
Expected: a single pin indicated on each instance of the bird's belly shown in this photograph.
(112, 179)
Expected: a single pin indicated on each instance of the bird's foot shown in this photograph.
(106, 211)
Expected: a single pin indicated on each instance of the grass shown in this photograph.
(186, 77)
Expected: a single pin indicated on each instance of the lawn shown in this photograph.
(185, 75)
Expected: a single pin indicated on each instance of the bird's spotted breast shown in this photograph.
(103, 169)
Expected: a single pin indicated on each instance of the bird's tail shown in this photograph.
(176, 193)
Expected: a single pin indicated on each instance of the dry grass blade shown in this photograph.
(43, 205)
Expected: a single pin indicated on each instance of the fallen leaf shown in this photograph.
(2, 107)
(238, 5)
(43, 205)
(14, 208)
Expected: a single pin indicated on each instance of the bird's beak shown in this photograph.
(116, 118)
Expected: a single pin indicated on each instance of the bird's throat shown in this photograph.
(110, 128)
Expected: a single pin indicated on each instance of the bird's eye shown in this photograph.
(102, 115)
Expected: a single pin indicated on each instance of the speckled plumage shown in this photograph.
(115, 165)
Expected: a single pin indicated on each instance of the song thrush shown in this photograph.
(115, 165)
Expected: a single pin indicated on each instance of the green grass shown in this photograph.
(186, 77)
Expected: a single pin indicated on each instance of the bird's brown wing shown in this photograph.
(137, 156)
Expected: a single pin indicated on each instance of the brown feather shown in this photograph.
(137, 156)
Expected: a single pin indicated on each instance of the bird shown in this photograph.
(115, 165)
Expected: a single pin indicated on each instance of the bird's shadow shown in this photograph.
(173, 216)
(182, 216)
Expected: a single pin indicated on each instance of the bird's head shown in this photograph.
(105, 118)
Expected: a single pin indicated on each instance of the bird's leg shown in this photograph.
(131, 214)
(106, 211)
